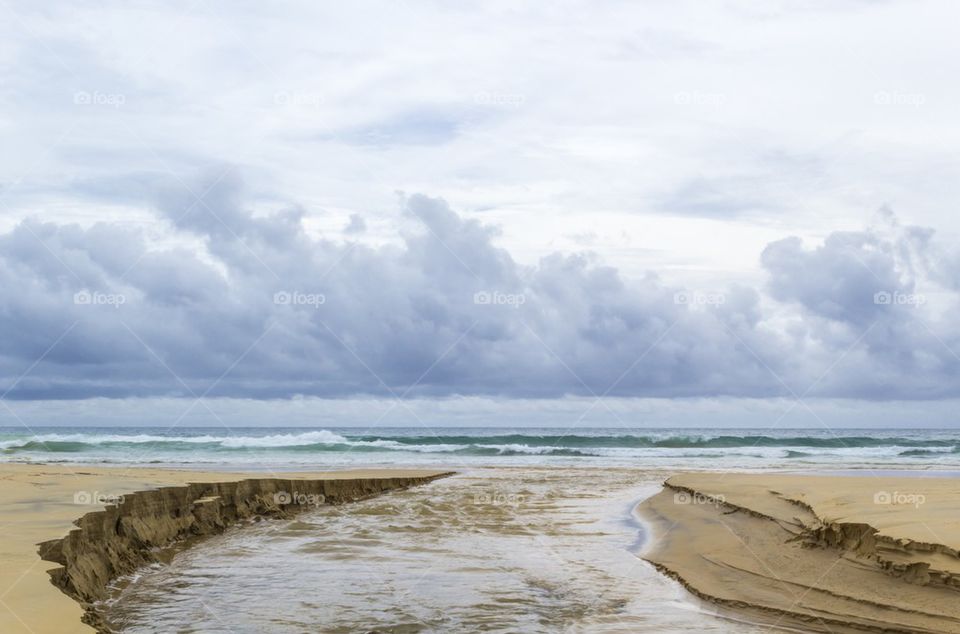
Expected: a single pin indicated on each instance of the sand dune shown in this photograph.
(819, 553)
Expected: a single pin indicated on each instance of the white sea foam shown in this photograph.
(275, 449)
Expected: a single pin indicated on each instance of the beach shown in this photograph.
(41, 502)
(817, 553)
(496, 317)
(500, 548)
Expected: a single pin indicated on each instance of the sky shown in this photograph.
(572, 213)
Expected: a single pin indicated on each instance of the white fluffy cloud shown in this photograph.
(679, 143)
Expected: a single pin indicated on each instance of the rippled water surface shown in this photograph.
(495, 550)
(279, 448)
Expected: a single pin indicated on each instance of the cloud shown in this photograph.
(424, 127)
(521, 113)
(701, 197)
(878, 294)
(260, 309)
(356, 225)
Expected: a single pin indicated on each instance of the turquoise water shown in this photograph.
(278, 447)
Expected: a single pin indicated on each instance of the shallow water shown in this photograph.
(493, 550)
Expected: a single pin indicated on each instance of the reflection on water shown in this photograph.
(502, 550)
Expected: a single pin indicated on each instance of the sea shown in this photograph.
(537, 532)
(284, 448)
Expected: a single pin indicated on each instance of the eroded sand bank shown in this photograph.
(40, 503)
(818, 553)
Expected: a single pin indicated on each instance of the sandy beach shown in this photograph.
(816, 553)
(803, 552)
(41, 502)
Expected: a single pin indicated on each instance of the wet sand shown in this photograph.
(41, 502)
(816, 553)
(497, 550)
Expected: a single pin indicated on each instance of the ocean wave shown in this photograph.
(675, 441)
(652, 445)
(322, 437)
(938, 451)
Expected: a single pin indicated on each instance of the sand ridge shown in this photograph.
(823, 553)
(40, 503)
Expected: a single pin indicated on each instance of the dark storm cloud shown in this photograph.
(266, 311)
(870, 292)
